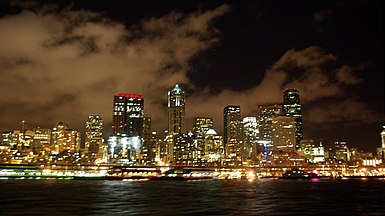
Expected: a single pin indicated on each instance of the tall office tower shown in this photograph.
(19, 140)
(183, 149)
(42, 141)
(176, 110)
(383, 137)
(234, 143)
(58, 138)
(265, 120)
(329, 149)
(152, 153)
(381, 151)
(342, 151)
(128, 114)
(230, 113)
(292, 107)
(283, 133)
(7, 137)
(94, 137)
(65, 140)
(201, 126)
(213, 148)
(147, 156)
(250, 128)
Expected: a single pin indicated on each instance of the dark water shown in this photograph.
(210, 197)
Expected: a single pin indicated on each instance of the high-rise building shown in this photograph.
(8, 140)
(329, 149)
(65, 140)
(233, 135)
(213, 148)
(265, 120)
(176, 110)
(234, 146)
(283, 133)
(250, 128)
(148, 150)
(201, 126)
(183, 149)
(342, 151)
(381, 151)
(42, 141)
(128, 114)
(94, 137)
(230, 113)
(292, 107)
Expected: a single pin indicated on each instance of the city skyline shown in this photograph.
(79, 55)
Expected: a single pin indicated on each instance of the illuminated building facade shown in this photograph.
(94, 137)
(42, 141)
(148, 149)
(283, 133)
(314, 152)
(201, 126)
(8, 139)
(234, 144)
(292, 107)
(123, 149)
(381, 151)
(183, 149)
(213, 148)
(307, 148)
(265, 120)
(65, 140)
(128, 114)
(176, 110)
(330, 150)
(127, 120)
(251, 135)
(342, 151)
(230, 114)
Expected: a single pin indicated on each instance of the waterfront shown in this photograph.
(204, 197)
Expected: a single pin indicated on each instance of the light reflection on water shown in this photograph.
(209, 197)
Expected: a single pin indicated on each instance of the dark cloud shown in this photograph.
(62, 65)
(348, 112)
(320, 17)
(345, 74)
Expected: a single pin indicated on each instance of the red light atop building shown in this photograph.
(129, 95)
(290, 89)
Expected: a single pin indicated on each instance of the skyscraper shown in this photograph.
(42, 141)
(128, 114)
(292, 107)
(342, 151)
(65, 140)
(265, 120)
(381, 151)
(230, 113)
(183, 149)
(213, 146)
(147, 150)
(283, 133)
(94, 136)
(176, 110)
(201, 126)
(251, 135)
(233, 135)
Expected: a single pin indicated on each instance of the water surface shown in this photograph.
(208, 197)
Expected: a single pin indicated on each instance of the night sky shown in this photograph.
(64, 60)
